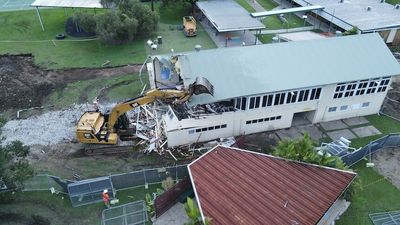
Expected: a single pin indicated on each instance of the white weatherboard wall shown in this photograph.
(178, 132)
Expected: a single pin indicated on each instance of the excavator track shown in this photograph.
(108, 149)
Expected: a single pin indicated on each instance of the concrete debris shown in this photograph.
(47, 129)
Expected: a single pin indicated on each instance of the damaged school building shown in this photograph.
(266, 87)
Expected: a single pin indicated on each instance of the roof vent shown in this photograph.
(341, 1)
(397, 6)
(197, 48)
(383, 1)
(369, 8)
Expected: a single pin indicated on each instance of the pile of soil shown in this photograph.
(24, 85)
(387, 163)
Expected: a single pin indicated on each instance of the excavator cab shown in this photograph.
(97, 128)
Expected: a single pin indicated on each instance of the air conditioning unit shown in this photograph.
(397, 6)
(383, 1)
(369, 8)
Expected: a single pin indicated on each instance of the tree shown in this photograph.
(193, 212)
(14, 167)
(86, 21)
(304, 150)
(115, 28)
(146, 18)
(352, 31)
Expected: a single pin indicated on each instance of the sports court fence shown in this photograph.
(388, 141)
(89, 191)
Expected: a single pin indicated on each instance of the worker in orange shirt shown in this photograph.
(106, 198)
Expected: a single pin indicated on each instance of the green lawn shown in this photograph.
(58, 208)
(273, 22)
(22, 26)
(377, 195)
(246, 5)
(266, 38)
(393, 2)
(267, 4)
(117, 89)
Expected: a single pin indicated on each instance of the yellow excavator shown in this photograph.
(97, 128)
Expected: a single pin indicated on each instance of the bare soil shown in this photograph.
(387, 163)
(25, 85)
(391, 105)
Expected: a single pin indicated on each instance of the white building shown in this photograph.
(264, 87)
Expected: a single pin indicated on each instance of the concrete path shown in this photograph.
(175, 215)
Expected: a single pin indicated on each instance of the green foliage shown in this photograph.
(177, 3)
(192, 211)
(352, 31)
(14, 167)
(168, 183)
(86, 21)
(150, 205)
(113, 28)
(304, 150)
(147, 20)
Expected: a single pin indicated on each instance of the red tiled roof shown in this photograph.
(239, 187)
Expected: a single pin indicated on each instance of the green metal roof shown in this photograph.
(257, 69)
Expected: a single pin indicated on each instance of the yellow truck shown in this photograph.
(189, 26)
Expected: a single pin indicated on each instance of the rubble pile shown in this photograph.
(47, 129)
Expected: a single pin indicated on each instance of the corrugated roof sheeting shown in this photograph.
(240, 187)
(289, 10)
(354, 12)
(227, 15)
(68, 3)
(251, 70)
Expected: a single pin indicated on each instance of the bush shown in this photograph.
(86, 21)
(114, 28)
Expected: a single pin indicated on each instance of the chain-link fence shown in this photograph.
(388, 141)
(133, 213)
(133, 179)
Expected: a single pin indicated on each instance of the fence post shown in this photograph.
(145, 180)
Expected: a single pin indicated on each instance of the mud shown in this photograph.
(24, 85)
(387, 163)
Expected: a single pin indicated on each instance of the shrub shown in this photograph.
(86, 21)
(147, 19)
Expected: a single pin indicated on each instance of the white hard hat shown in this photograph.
(105, 191)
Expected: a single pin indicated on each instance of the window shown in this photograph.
(344, 107)
(291, 97)
(301, 96)
(207, 129)
(251, 103)
(191, 131)
(277, 98)
(365, 104)
(332, 109)
(223, 126)
(361, 87)
(88, 136)
(264, 120)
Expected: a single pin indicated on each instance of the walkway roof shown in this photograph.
(284, 11)
(258, 69)
(227, 15)
(351, 13)
(68, 3)
(235, 186)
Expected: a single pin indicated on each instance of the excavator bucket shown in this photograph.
(202, 86)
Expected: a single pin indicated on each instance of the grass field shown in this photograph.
(376, 195)
(246, 5)
(18, 27)
(266, 38)
(119, 88)
(273, 22)
(58, 209)
(267, 4)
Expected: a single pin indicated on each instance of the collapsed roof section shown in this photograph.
(251, 70)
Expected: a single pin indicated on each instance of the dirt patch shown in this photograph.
(24, 85)
(387, 163)
(391, 105)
